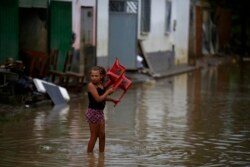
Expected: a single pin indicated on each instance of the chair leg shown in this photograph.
(77, 79)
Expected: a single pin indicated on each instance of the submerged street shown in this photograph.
(200, 118)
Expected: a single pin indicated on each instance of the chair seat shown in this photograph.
(74, 74)
(76, 78)
(67, 78)
(53, 74)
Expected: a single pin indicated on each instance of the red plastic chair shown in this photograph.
(125, 85)
(117, 69)
(117, 79)
(115, 74)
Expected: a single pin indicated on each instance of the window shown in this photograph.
(117, 6)
(145, 15)
(131, 7)
(123, 6)
(168, 16)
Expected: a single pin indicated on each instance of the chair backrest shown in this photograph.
(53, 58)
(117, 68)
(68, 62)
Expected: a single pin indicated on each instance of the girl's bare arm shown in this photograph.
(97, 97)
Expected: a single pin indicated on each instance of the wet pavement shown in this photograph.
(199, 118)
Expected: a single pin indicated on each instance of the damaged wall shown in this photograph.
(167, 47)
(76, 20)
(180, 34)
(84, 29)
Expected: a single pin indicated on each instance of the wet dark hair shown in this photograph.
(101, 70)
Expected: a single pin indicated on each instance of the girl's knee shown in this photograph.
(102, 135)
(93, 136)
(101, 132)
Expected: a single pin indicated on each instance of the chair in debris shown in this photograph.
(53, 73)
(7, 84)
(66, 78)
(73, 80)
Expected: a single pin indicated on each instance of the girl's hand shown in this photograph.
(110, 91)
(116, 101)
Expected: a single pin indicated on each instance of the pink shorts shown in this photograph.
(94, 116)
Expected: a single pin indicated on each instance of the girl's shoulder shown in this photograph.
(90, 84)
(93, 86)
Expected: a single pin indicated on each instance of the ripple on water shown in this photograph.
(199, 121)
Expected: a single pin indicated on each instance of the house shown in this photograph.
(84, 21)
(155, 29)
(163, 31)
(39, 25)
(117, 32)
(99, 31)
(210, 29)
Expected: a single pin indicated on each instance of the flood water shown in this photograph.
(201, 118)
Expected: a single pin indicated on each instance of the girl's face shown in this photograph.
(95, 76)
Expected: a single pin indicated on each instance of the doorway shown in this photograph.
(88, 48)
(123, 32)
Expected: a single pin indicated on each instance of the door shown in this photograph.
(123, 32)
(8, 30)
(88, 48)
(33, 32)
(61, 29)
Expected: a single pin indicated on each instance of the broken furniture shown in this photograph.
(58, 94)
(7, 85)
(67, 78)
(73, 80)
(53, 73)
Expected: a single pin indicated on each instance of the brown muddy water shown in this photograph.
(200, 118)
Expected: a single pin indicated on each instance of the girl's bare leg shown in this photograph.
(94, 128)
(102, 137)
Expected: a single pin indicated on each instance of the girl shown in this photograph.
(97, 95)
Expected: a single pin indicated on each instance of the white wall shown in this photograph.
(101, 8)
(102, 27)
(180, 13)
(76, 19)
(157, 39)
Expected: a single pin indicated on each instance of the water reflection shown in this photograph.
(216, 119)
(196, 119)
(95, 160)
